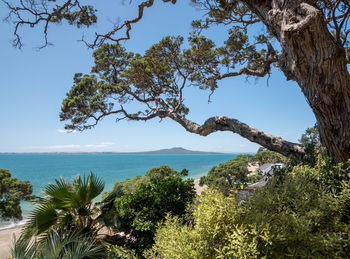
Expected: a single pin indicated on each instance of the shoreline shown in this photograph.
(7, 232)
(13, 225)
(6, 237)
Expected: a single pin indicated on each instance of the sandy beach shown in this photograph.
(6, 241)
(6, 234)
(199, 189)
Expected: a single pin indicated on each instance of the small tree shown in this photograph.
(66, 206)
(12, 192)
(264, 156)
(228, 175)
(138, 213)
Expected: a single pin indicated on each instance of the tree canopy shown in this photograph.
(228, 175)
(264, 156)
(306, 40)
(137, 211)
(66, 206)
(12, 192)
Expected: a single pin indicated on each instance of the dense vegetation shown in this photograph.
(302, 212)
(295, 218)
(136, 206)
(12, 192)
(229, 175)
(234, 174)
(66, 223)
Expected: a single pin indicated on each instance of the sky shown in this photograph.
(34, 83)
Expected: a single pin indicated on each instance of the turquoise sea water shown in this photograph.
(41, 169)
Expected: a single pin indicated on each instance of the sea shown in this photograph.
(41, 169)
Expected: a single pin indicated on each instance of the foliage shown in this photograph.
(66, 206)
(214, 232)
(255, 176)
(59, 245)
(332, 175)
(299, 217)
(138, 213)
(228, 175)
(264, 156)
(129, 185)
(12, 192)
(314, 151)
(256, 42)
(120, 252)
(164, 171)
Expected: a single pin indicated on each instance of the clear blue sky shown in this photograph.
(34, 83)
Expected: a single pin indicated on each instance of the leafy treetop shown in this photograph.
(261, 34)
(229, 175)
(12, 192)
(137, 211)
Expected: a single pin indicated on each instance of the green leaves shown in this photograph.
(12, 192)
(59, 245)
(142, 203)
(66, 205)
(229, 175)
(297, 218)
(156, 80)
(264, 156)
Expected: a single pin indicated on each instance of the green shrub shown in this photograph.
(228, 175)
(264, 156)
(299, 217)
(12, 192)
(137, 213)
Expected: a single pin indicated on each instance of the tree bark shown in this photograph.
(311, 57)
(223, 123)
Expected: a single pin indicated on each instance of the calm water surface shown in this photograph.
(41, 169)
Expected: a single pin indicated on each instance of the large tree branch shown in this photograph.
(101, 38)
(223, 123)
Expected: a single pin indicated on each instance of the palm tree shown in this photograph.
(59, 245)
(66, 206)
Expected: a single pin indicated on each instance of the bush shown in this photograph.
(264, 156)
(12, 192)
(299, 217)
(138, 213)
(228, 175)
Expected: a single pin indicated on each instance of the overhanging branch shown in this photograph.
(223, 123)
(101, 38)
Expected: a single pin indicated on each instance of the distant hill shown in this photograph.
(176, 150)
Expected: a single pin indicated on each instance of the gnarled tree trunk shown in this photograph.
(311, 56)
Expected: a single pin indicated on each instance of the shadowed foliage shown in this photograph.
(66, 206)
(137, 211)
(12, 192)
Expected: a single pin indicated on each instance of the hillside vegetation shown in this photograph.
(302, 212)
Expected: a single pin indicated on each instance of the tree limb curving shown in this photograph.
(223, 123)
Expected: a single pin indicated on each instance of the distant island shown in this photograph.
(174, 150)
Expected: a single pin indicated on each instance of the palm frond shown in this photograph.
(86, 247)
(96, 186)
(53, 245)
(59, 193)
(42, 218)
(59, 245)
(87, 189)
(23, 248)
